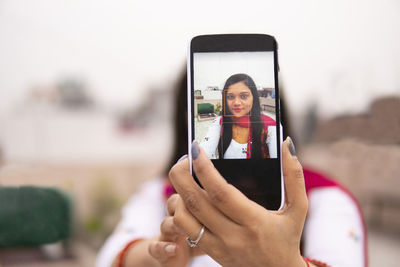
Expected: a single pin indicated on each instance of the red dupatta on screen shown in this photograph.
(244, 121)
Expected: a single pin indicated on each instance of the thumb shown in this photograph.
(296, 198)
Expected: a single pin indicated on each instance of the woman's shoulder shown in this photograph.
(317, 182)
(314, 180)
(333, 207)
(325, 190)
(328, 195)
(217, 120)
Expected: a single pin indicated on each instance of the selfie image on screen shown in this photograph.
(234, 104)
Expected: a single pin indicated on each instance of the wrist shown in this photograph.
(123, 254)
(135, 253)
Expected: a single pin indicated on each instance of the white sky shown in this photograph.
(213, 69)
(339, 53)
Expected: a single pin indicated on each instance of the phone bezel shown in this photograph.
(234, 43)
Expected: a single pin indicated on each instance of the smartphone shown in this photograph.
(233, 111)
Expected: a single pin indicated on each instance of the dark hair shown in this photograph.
(180, 142)
(255, 118)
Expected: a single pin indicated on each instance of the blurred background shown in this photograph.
(86, 96)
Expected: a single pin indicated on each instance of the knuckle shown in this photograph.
(296, 171)
(173, 172)
(171, 201)
(304, 204)
(202, 167)
(163, 225)
(253, 230)
(159, 251)
(152, 249)
(191, 201)
(167, 226)
(219, 194)
(178, 220)
(234, 244)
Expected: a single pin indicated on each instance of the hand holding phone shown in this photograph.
(239, 232)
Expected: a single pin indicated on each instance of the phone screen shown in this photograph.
(235, 116)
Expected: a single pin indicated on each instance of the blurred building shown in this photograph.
(381, 124)
(155, 111)
(363, 152)
(73, 94)
(63, 124)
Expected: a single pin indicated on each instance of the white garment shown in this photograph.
(235, 150)
(141, 218)
(333, 230)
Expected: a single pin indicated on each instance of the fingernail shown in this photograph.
(195, 150)
(292, 149)
(182, 158)
(170, 249)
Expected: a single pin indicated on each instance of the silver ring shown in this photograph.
(193, 243)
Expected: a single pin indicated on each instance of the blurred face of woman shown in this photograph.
(239, 99)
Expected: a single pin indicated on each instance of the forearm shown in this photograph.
(138, 255)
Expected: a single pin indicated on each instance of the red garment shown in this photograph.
(244, 121)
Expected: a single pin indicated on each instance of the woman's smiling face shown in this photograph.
(239, 99)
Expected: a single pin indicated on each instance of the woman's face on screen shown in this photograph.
(239, 99)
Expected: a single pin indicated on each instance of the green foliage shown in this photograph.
(218, 108)
(93, 225)
(104, 212)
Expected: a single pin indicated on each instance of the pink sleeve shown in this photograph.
(268, 121)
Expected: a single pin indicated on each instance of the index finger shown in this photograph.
(227, 198)
(196, 199)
